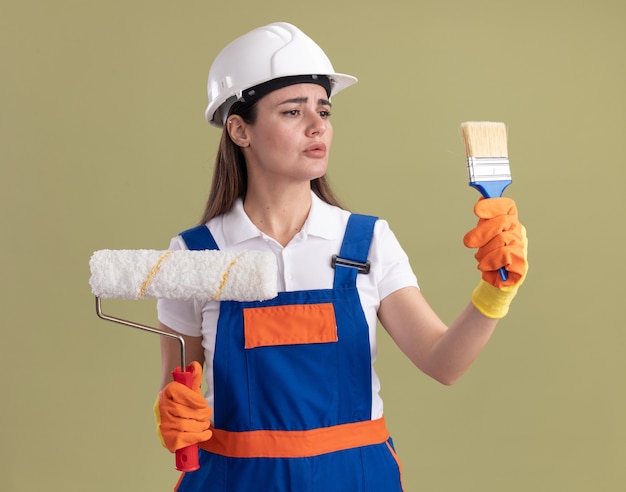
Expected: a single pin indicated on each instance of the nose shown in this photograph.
(316, 125)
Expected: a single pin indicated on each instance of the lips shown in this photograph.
(316, 150)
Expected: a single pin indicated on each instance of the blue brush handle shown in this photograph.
(493, 189)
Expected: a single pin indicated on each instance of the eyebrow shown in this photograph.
(301, 100)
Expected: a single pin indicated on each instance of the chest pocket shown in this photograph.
(291, 353)
(294, 324)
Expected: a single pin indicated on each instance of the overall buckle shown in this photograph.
(360, 266)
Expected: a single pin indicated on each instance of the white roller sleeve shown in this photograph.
(200, 275)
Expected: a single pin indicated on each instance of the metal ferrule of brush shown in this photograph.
(488, 169)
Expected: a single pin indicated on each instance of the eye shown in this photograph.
(325, 114)
(292, 112)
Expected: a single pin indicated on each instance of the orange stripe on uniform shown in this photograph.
(395, 457)
(289, 325)
(296, 444)
(180, 479)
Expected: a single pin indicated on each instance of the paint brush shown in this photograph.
(487, 160)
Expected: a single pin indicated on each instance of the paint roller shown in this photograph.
(184, 275)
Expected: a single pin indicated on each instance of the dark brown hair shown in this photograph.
(230, 176)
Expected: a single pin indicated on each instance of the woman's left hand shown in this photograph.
(501, 241)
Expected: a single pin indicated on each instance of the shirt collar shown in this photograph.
(237, 225)
(323, 221)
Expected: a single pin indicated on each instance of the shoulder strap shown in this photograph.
(352, 258)
(199, 238)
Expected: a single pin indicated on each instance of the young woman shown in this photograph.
(292, 399)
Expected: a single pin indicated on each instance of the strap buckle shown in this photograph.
(360, 266)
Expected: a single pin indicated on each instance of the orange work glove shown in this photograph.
(182, 414)
(501, 241)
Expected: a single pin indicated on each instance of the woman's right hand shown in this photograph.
(182, 414)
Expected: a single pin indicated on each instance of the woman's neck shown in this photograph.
(279, 215)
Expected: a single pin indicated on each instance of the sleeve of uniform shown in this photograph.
(182, 316)
(390, 261)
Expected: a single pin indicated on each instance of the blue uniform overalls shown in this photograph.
(293, 392)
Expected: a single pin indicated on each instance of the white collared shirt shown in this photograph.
(304, 264)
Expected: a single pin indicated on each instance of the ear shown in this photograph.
(237, 130)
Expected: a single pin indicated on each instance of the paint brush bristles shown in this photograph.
(484, 139)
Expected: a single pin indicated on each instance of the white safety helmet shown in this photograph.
(271, 52)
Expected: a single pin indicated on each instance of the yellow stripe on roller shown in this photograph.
(153, 271)
(225, 275)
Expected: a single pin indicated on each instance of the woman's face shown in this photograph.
(291, 137)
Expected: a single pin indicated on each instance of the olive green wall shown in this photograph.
(103, 145)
